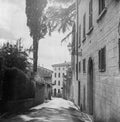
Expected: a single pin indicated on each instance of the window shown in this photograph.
(84, 66)
(58, 83)
(59, 75)
(55, 82)
(79, 66)
(101, 5)
(59, 68)
(58, 90)
(55, 75)
(102, 59)
(90, 15)
(54, 92)
(84, 27)
(79, 35)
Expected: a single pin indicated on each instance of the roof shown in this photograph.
(62, 64)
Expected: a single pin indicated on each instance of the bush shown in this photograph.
(17, 85)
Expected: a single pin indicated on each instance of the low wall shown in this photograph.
(19, 105)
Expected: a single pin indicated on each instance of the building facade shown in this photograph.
(96, 59)
(59, 70)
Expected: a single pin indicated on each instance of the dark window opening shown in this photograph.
(76, 71)
(84, 27)
(90, 14)
(101, 5)
(58, 90)
(84, 66)
(59, 83)
(102, 59)
(59, 75)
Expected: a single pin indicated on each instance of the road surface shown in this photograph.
(56, 110)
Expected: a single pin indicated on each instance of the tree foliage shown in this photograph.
(61, 16)
(14, 56)
(35, 22)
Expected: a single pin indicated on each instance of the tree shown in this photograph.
(60, 16)
(35, 22)
(14, 56)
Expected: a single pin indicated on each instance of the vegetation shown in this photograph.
(13, 66)
(42, 19)
(60, 15)
(35, 22)
(14, 56)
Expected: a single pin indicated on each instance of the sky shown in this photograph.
(13, 26)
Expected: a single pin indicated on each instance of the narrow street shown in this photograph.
(56, 110)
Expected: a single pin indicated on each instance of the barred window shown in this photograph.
(84, 66)
(90, 14)
(102, 59)
(101, 5)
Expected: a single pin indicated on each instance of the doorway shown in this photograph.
(90, 86)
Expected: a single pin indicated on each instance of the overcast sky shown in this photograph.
(13, 26)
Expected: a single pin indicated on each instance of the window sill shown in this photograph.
(83, 39)
(90, 30)
(101, 14)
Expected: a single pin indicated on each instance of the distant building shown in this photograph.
(59, 70)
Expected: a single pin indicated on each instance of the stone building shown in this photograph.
(59, 70)
(96, 59)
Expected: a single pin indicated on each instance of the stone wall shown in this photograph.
(106, 85)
